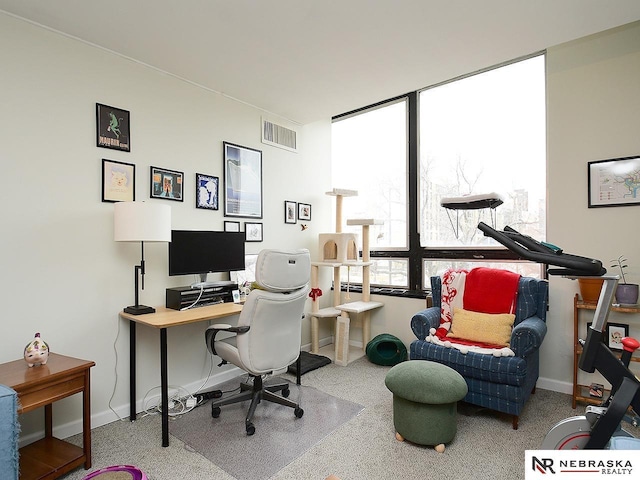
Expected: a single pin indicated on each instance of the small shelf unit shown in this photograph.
(581, 391)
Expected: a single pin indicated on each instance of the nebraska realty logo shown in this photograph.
(589, 464)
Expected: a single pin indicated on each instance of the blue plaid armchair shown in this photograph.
(498, 383)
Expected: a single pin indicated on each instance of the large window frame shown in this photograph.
(415, 254)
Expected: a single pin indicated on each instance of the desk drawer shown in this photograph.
(48, 392)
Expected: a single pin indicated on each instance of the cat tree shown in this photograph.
(340, 250)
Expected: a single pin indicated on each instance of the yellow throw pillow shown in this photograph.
(482, 327)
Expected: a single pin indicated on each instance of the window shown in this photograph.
(369, 154)
(481, 134)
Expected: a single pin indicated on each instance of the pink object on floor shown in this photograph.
(136, 473)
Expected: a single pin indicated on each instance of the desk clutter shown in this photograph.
(180, 298)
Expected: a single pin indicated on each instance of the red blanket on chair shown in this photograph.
(490, 290)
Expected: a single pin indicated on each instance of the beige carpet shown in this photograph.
(364, 448)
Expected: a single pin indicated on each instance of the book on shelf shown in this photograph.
(596, 389)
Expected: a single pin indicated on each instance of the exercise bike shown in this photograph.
(596, 428)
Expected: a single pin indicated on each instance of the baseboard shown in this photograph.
(554, 385)
(121, 412)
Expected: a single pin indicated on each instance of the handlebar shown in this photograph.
(531, 249)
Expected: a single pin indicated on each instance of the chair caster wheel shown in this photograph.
(298, 412)
(250, 429)
(286, 392)
(215, 412)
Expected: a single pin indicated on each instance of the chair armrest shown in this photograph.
(425, 320)
(213, 330)
(527, 336)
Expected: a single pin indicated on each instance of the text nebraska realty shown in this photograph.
(606, 467)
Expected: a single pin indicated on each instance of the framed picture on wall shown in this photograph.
(207, 191)
(304, 211)
(166, 184)
(113, 129)
(290, 211)
(615, 182)
(253, 232)
(231, 226)
(242, 181)
(615, 333)
(118, 181)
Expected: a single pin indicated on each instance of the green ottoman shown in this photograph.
(424, 401)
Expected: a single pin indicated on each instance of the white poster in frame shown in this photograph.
(242, 181)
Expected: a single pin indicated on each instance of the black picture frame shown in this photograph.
(290, 211)
(253, 232)
(242, 181)
(113, 128)
(118, 181)
(207, 191)
(615, 333)
(614, 182)
(231, 226)
(166, 184)
(304, 211)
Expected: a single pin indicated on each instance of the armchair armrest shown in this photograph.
(213, 330)
(527, 336)
(425, 320)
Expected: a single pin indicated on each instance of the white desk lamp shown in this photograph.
(141, 222)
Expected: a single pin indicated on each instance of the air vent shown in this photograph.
(279, 136)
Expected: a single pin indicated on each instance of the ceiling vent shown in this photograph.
(279, 136)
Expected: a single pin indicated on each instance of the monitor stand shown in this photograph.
(204, 284)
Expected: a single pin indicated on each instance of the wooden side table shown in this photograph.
(40, 386)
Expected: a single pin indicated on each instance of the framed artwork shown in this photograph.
(253, 232)
(615, 182)
(166, 184)
(118, 181)
(615, 333)
(242, 181)
(207, 191)
(113, 128)
(231, 226)
(290, 209)
(304, 211)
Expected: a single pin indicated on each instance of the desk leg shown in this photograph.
(164, 386)
(132, 371)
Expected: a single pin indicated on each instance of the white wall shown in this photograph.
(62, 273)
(593, 105)
(63, 276)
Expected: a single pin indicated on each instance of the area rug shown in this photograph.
(279, 439)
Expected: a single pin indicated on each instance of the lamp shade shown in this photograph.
(141, 222)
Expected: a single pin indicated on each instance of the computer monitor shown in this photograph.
(199, 252)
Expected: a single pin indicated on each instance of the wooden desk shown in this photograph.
(162, 319)
(40, 386)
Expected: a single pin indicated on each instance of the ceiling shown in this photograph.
(309, 60)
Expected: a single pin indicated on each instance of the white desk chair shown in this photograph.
(267, 336)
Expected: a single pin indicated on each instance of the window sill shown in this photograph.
(390, 291)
